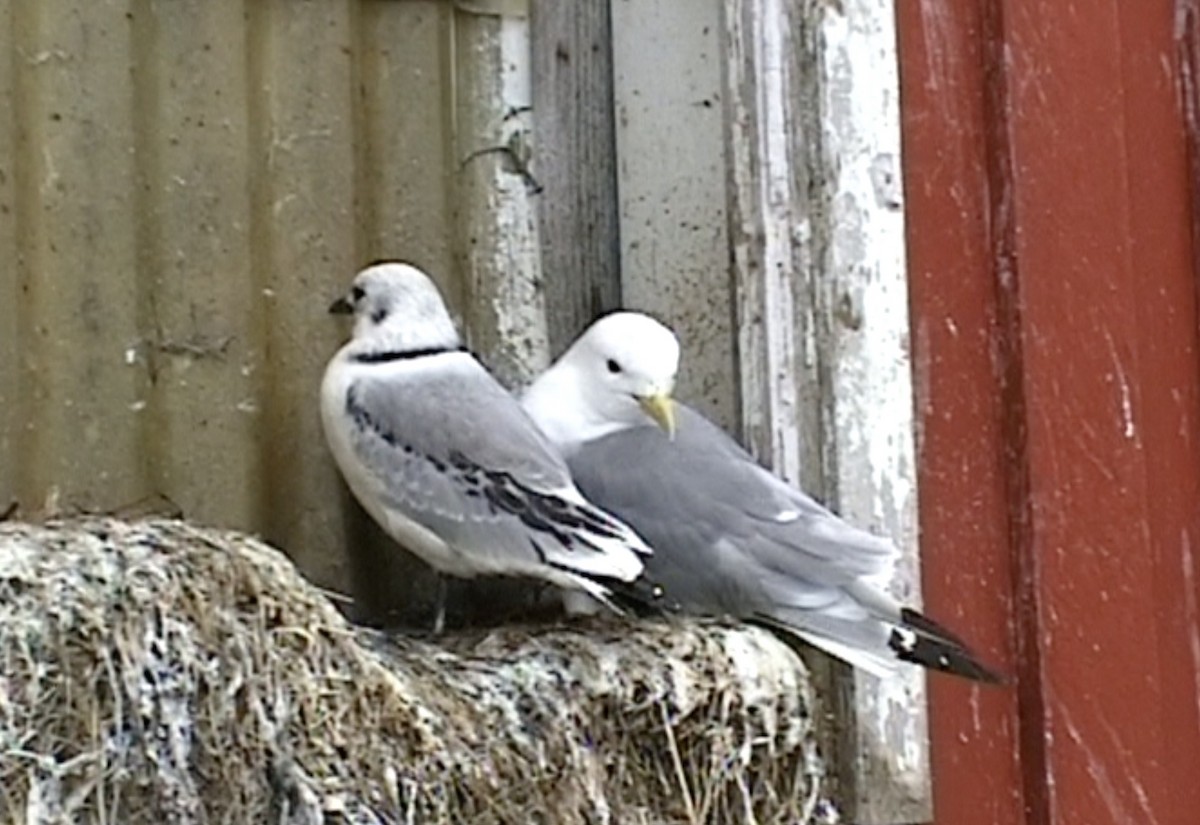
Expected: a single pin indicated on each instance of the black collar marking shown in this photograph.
(390, 355)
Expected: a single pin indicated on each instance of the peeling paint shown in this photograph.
(872, 373)
(520, 305)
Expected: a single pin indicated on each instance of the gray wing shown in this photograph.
(457, 454)
(728, 535)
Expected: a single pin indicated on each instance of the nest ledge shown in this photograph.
(156, 671)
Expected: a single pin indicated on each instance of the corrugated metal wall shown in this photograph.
(183, 187)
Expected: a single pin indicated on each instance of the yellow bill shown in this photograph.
(661, 408)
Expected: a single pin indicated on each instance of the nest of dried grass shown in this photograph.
(158, 672)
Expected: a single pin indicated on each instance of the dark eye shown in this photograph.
(357, 294)
(613, 366)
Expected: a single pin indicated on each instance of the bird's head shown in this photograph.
(397, 306)
(619, 373)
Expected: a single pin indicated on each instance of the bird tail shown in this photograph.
(922, 641)
(877, 646)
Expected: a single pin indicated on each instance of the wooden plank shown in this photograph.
(1086, 540)
(575, 168)
(762, 208)
(1163, 211)
(1094, 337)
(76, 251)
(863, 348)
(962, 458)
(671, 177)
(851, 347)
(10, 340)
(304, 247)
(201, 343)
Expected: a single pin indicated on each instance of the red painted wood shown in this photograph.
(1051, 215)
(963, 507)
(1187, 29)
(1162, 215)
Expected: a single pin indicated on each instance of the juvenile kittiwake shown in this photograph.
(729, 537)
(447, 462)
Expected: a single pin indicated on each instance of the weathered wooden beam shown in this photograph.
(966, 468)
(574, 167)
(821, 297)
(758, 146)
(844, 126)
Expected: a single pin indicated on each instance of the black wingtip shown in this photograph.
(642, 595)
(916, 644)
(919, 621)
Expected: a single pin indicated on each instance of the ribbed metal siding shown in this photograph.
(183, 187)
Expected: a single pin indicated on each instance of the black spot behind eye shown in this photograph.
(613, 366)
(357, 294)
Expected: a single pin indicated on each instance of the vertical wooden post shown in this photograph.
(574, 164)
(763, 208)
(959, 359)
(818, 231)
(761, 205)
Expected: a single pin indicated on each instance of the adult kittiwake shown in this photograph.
(729, 537)
(447, 462)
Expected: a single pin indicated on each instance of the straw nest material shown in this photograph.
(159, 672)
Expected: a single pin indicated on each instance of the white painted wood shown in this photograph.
(872, 467)
(497, 215)
(854, 324)
(801, 240)
(762, 212)
(671, 182)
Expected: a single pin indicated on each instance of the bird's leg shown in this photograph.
(439, 616)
